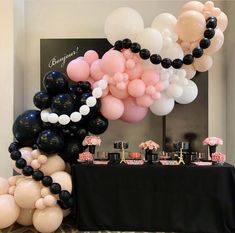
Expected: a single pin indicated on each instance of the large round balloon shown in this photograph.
(64, 179)
(4, 186)
(122, 23)
(62, 104)
(150, 39)
(27, 192)
(162, 106)
(26, 217)
(98, 125)
(54, 164)
(55, 82)
(48, 219)
(73, 146)
(189, 93)
(27, 126)
(50, 142)
(190, 25)
(9, 210)
(132, 112)
(42, 100)
(111, 107)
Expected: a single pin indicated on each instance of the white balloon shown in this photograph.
(84, 110)
(162, 106)
(44, 115)
(75, 116)
(174, 90)
(189, 93)
(164, 21)
(53, 118)
(97, 92)
(173, 51)
(150, 39)
(91, 101)
(122, 23)
(64, 119)
(182, 81)
(102, 84)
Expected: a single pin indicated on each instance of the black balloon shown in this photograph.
(27, 126)
(42, 100)
(55, 82)
(73, 146)
(62, 104)
(50, 142)
(98, 125)
(81, 133)
(84, 85)
(83, 98)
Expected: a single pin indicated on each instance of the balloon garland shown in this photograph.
(152, 73)
(177, 63)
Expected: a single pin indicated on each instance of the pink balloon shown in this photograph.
(105, 92)
(203, 63)
(160, 86)
(136, 88)
(144, 101)
(96, 72)
(150, 90)
(127, 54)
(135, 73)
(24, 198)
(4, 186)
(90, 56)
(48, 220)
(150, 77)
(112, 62)
(78, 70)
(9, 210)
(133, 113)
(112, 108)
(120, 94)
(216, 42)
(193, 5)
(130, 64)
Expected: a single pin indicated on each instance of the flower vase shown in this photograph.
(148, 156)
(212, 149)
(91, 149)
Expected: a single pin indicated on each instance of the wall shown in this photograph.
(82, 18)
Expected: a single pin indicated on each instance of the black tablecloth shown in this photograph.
(155, 198)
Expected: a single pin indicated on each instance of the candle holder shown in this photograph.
(121, 146)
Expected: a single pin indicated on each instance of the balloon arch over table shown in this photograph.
(148, 68)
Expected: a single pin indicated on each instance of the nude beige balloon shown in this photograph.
(54, 164)
(190, 71)
(9, 211)
(4, 186)
(222, 21)
(203, 64)
(64, 179)
(190, 26)
(216, 42)
(26, 217)
(48, 220)
(193, 5)
(27, 192)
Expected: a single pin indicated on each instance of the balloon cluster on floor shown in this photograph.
(151, 68)
(47, 142)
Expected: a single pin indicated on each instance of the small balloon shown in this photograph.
(26, 217)
(203, 63)
(90, 56)
(64, 179)
(62, 104)
(42, 100)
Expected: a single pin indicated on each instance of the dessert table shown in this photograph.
(155, 198)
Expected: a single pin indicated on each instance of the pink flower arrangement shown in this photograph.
(85, 156)
(91, 140)
(218, 157)
(150, 145)
(212, 141)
